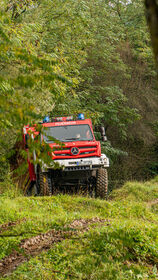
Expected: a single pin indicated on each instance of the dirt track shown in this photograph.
(35, 245)
(153, 202)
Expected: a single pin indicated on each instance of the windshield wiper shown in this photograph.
(53, 141)
(79, 139)
(85, 139)
(71, 139)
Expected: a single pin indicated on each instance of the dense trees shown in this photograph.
(68, 56)
(26, 72)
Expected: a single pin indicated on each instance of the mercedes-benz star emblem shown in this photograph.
(75, 151)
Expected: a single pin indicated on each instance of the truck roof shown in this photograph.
(62, 123)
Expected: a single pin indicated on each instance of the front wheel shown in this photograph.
(44, 184)
(102, 183)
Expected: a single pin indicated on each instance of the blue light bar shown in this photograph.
(80, 116)
(46, 119)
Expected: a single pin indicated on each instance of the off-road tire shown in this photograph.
(44, 184)
(32, 190)
(102, 183)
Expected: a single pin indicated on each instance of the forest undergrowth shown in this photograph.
(74, 237)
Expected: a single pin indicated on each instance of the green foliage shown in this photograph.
(105, 70)
(24, 74)
(8, 189)
(70, 56)
(112, 152)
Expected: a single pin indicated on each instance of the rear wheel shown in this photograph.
(32, 190)
(44, 184)
(102, 183)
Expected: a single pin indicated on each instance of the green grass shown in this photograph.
(125, 248)
(137, 191)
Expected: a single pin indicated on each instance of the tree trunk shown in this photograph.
(152, 19)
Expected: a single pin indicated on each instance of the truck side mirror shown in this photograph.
(104, 138)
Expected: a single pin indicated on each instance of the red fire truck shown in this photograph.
(81, 165)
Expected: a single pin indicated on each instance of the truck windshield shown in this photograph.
(68, 133)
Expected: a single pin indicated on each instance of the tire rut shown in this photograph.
(153, 202)
(7, 226)
(35, 245)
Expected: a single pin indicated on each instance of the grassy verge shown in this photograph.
(125, 248)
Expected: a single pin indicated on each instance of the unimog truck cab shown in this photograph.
(81, 165)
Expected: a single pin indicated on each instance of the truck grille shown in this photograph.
(83, 150)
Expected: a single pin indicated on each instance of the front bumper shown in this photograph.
(88, 163)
